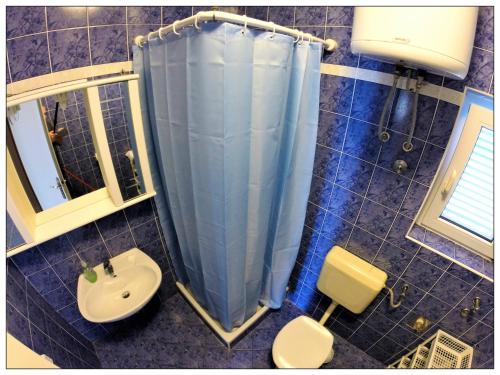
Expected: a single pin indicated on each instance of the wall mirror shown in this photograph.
(76, 153)
(117, 117)
(50, 142)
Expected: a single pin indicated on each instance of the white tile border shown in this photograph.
(429, 89)
(453, 260)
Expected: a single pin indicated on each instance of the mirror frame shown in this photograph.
(36, 228)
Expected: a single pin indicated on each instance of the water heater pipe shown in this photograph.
(408, 145)
(383, 135)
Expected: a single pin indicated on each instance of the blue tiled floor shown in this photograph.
(170, 334)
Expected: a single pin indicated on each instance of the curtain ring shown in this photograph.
(274, 31)
(175, 31)
(159, 33)
(196, 23)
(244, 25)
(149, 36)
(310, 37)
(296, 40)
(301, 37)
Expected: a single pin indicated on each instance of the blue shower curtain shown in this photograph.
(231, 118)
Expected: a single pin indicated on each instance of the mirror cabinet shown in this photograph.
(75, 153)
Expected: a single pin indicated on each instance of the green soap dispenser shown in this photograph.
(88, 272)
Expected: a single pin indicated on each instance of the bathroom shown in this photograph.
(307, 219)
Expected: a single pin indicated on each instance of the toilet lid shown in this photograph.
(302, 343)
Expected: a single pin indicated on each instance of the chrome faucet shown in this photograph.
(108, 268)
(466, 311)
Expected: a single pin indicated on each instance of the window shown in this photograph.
(471, 204)
(459, 205)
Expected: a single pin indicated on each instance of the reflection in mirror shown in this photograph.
(12, 236)
(67, 125)
(52, 148)
(119, 132)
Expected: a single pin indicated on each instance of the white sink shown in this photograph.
(137, 278)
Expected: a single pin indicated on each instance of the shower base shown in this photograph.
(227, 337)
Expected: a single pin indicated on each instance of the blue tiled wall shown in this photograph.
(453, 250)
(53, 267)
(34, 322)
(356, 200)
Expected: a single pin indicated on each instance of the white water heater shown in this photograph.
(436, 39)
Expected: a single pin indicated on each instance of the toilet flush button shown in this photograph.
(126, 294)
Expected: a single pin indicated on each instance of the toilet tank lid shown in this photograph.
(355, 267)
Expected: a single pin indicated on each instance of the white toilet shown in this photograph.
(349, 281)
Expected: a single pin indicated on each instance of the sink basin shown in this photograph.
(137, 278)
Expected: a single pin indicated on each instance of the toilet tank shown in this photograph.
(349, 280)
(436, 39)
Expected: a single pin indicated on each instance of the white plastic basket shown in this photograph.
(449, 352)
(441, 350)
(404, 362)
(419, 359)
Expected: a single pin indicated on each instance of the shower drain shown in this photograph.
(126, 294)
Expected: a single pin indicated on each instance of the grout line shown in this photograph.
(484, 339)
(483, 49)
(8, 64)
(129, 228)
(126, 30)
(62, 308)
(48, 42)
(28, 312)
(326, 23)
(29, 35)
(88, 36)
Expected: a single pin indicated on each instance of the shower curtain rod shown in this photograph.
(329, 44)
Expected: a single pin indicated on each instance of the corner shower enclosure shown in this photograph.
(231, 117)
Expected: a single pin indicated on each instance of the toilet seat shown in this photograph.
(302, 343)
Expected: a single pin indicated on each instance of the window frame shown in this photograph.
(473, 116)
